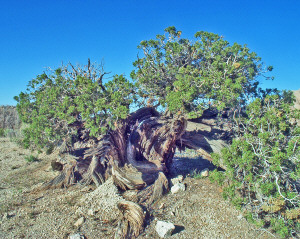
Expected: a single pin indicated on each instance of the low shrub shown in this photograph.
(1, 132)
(10, 133)
(31, 158)
(263, 168)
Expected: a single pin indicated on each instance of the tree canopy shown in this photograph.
(59, 102)
(188, 76)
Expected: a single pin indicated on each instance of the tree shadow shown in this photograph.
(178, 229)
(188, 165)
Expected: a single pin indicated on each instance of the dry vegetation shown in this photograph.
(9, 118)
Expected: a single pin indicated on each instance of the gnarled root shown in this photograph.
(155, 191)
(94, 173)
(132, 222)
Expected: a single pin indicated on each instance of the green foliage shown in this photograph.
(279, 226)
(59, 102)
(196, 174)
(217, 176)
(186, 77)
(10, 133)
(31, 159)
(1, 132)
(263, 164)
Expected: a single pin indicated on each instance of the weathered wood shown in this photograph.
(138, 155)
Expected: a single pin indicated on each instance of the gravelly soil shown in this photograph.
(198, 212)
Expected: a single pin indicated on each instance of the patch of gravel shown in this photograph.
(201, 212)
(103, 201)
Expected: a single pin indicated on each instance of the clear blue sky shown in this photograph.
(37, 34)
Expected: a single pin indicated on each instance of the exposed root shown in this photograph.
(94, 173)
(66, 178)
(131, 195)
(155, 191)
(127, 178)
(132, 223)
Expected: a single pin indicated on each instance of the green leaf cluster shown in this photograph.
(58, 103)
(31, 158)
(188, 76)
(262, 164)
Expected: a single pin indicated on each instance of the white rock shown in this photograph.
(76, 236)
(5, 216)
(177, 187)
(177, 180)
(79, 211)
(204, 172)
(239, 217)
(79, 222)
(91, 212)
(164, 228)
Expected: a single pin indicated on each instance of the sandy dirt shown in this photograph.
(198, 212)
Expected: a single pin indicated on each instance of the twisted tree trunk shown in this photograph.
(137, 155)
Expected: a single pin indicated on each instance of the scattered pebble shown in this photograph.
(5, 216)
(76, 236)
(164, 228)
(79, 222)
(177, 187)
(204, 172)
(91, 212)
(176, 180)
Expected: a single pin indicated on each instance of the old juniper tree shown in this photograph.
(182, 79)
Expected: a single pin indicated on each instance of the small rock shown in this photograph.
(177, 187)
(239, 217)
(79, 222)
(5, 216)
(79, 211)
(164, 228)
(76, 236)
(204, 172)
(177, 180)
(91, 212)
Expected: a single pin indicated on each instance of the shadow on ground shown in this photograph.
(188, 164)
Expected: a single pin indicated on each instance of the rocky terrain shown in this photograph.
(25, 212)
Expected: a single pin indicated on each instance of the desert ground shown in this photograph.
(27, 212)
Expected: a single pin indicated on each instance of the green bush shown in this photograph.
(10, 133)
(1, 132)
(31, 159)
(186, 76)
(58, 103)
(263, 165)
